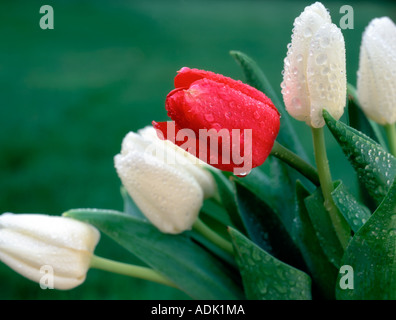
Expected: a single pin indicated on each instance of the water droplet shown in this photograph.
(299, 57)
(325, 70)
(307, 32)
(321, 58)
(332, 77)
(325, 42)
(209, 117)
(296, 103)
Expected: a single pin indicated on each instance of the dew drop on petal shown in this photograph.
(296, 103)
(321, 58)
(299, 57)
(307, 32)
(209, 117)
(256, 115)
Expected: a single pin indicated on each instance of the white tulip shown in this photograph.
(167, 183)
(314, 76)
(30, 243)
(376, 81)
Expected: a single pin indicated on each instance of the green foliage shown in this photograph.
(265, 277)
(372, 255)
(193, 269)
(323, 272)
(376, 168)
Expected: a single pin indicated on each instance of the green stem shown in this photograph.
(295, 162)
(212, 236)
(391, 134)
(326, 184)
(129, 270)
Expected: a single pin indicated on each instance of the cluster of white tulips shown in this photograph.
(171, 194)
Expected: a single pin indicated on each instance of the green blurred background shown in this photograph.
(69, 96)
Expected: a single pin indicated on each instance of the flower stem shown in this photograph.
(295, 162)
(391, 134)
(326, 184)
(212, 236)
(129, 270)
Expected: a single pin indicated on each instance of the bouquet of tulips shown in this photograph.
(222, 202)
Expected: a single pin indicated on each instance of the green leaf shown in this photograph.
(266, 229)
(193, 269)
(372, 256)
(256, 78)
(322, 271)
(130, 207)
(323, 226)
(258, 182)
(376, 168)
(355, 213)
(265, 277)
(215, 210)
(275, 191)
(227, 198)
(282, 191)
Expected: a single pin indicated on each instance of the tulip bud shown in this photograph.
(29, 242)
(376, 78)
(314, 76)
(241, 122)
(167, 183)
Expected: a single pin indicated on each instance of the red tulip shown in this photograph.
(241, 120)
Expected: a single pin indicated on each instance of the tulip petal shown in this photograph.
(376, 83)
(146, 141)
(54, 228)
(295, 90)
(186, 77)
(314, 71)
(169, 197)
(327, 81)
(207, 104)
(36, 245)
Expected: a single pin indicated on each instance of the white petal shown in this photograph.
(295, 91)
(376, 83)
(314, 73)
(30, 242)
(169, 196)
(327, 81)
(147, 142)
(60, 231)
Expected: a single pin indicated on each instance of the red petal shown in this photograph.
(212, 105)
(187, 76)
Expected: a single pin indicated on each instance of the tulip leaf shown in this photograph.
(258, 182)
(255, 77)
(376, 168)
(129, 205)
(266, 229)
(192, 268)
(227, 198)
(216, 212)
(282, 191)
(371, 257)
(323, 226)
(322, 271)
(355, 213)
(265, 277)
